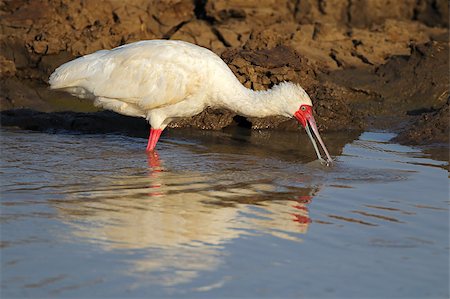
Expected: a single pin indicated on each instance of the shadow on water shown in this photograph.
(264, 144)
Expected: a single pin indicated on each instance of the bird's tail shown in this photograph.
(72, 73)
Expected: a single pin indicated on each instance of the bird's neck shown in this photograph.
(247, 102)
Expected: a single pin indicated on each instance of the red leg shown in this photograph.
(153, 139)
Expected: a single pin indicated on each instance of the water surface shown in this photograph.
(216, 214)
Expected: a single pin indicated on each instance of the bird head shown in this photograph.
(299, 105)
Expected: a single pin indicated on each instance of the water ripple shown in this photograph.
(89, 213)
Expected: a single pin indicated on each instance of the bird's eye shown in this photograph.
(303, 108)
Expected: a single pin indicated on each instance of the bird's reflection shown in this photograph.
(153, 161)
(182, 220)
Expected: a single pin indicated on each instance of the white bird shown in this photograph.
(162, 80)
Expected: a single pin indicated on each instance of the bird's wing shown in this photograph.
(147, 74)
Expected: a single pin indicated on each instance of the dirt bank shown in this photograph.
(361, 61)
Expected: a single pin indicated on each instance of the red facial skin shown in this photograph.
(303, 114)
(305, 117)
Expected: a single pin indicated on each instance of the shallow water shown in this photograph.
(221, 215)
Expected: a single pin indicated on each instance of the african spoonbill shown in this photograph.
(162, 80)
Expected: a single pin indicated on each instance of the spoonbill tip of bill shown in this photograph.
(162, 80)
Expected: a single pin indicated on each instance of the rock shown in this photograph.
(7, 67)
(341, 48)
(269, 66)
(257, 11)
(199, 33)
(432, 12)
(331, 11)
(365, 13)
(235, 33)
(393, 38)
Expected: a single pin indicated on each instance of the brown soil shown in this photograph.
(362, 61)
(430, 127)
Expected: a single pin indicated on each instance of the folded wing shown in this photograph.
(144, 75)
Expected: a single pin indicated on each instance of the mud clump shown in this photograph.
(417, 81)
(209, 119)
(429, 128)
(356, 59)
(264, 68)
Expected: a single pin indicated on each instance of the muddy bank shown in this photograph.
(361, 61)
(430, 127)
(408, 94)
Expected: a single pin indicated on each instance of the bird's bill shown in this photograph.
(305, 117)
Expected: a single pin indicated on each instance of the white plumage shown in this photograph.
(161, 80)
